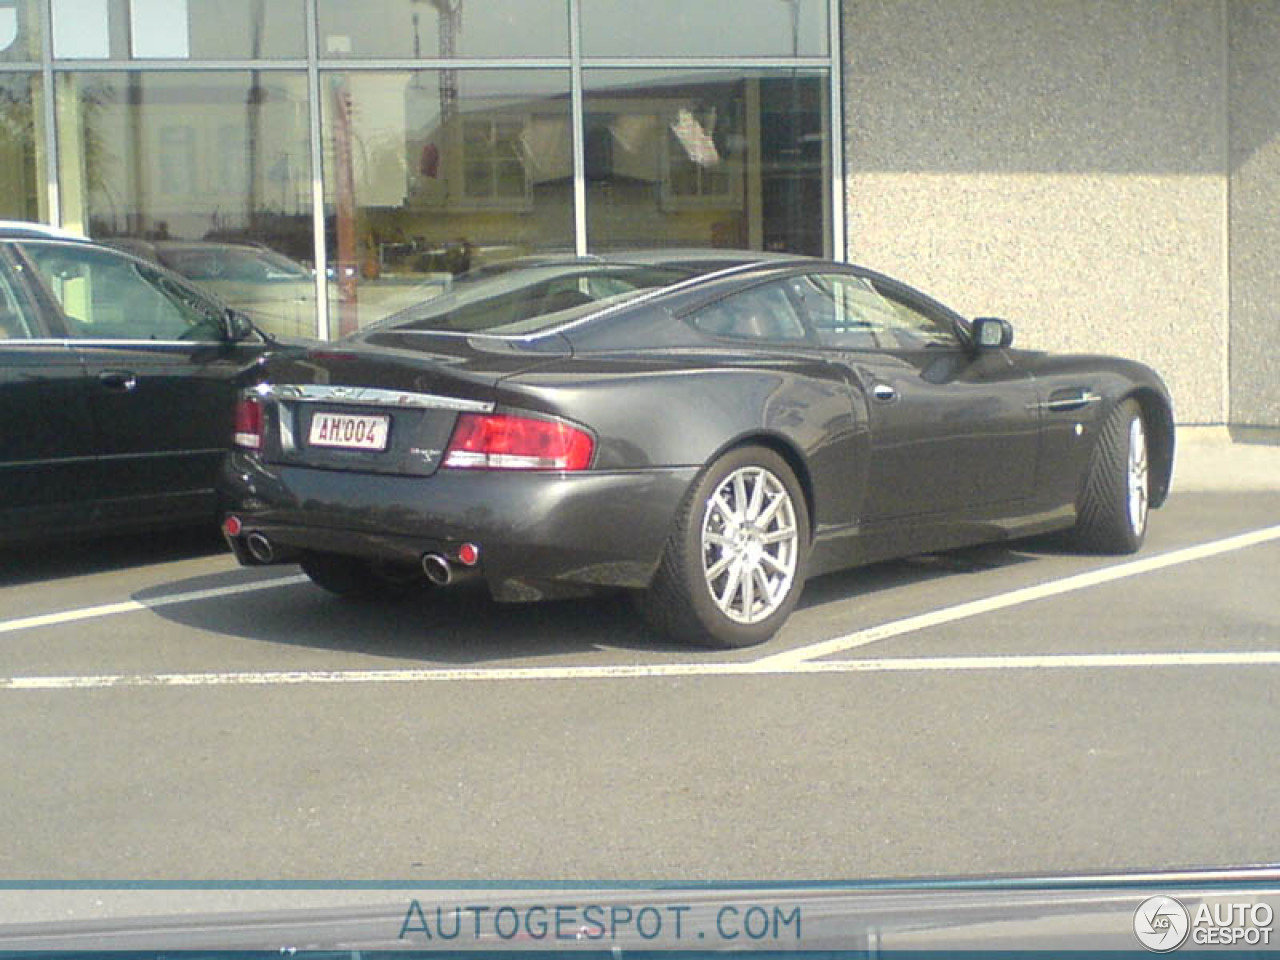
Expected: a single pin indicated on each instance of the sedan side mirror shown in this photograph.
(236, 326)
(992, 332)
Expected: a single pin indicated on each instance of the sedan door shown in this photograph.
(952, 429)
(162, 376)
(47, 470)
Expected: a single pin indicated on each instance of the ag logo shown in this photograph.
(1161, 924)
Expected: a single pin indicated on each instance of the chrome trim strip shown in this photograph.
(286, 421)
(371, 397)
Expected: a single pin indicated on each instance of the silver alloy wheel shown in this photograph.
(1137, 477)
(750, 544)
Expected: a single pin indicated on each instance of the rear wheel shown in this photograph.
(734, 565)
(361, 579)
(1112, 510)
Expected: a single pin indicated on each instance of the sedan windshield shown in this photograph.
(526, 301)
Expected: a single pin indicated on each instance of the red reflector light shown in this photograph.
(468, 554)
(502, 442)
(232, 526)
(248, 432)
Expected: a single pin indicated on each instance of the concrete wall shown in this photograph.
(1060, 163)
(1255, 213)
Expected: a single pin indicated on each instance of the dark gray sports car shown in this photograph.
(707, 430)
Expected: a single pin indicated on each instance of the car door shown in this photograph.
(951, 428)
(161, 375)
(47, 468)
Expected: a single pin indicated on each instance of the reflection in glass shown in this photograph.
(178, 29)
(704, 28)
(443, 29)
(198, 171)
(429, 173)
(19, 31)
(712, 158)
(22, 161)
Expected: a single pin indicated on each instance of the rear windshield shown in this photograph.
(521, 302)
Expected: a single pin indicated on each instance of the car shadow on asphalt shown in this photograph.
(463, 626)
(60, 559)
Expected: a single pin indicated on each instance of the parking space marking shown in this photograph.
(1247, 658)
(799, 660)
(131, 606)
(1002, 601)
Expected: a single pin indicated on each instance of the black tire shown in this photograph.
(358, 579)
(1111, 513)
(680, 601)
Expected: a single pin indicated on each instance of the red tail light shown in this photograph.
(500, 442)
(248, 434)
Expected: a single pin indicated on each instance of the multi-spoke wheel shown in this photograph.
(734, 564)
(749, 544)
(1112, 509)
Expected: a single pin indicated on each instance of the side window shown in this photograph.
(16, 322)
(763, 313)
(849, 313)
(106, 296)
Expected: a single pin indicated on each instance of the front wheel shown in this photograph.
(734, 565)
(1111, 515)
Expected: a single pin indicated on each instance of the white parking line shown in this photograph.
(1247, 658)
(801, 660)
(130, 606)
(1013, 598)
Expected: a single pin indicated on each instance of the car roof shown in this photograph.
(646, 257)
(28, 230)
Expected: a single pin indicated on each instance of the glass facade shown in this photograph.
(23, 165)
(323, 163)
(429, 175)
(707, 158)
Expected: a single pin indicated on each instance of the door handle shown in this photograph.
(1063, 401)
(122, 380)
(884, 392)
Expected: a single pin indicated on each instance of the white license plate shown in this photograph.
(349, 432)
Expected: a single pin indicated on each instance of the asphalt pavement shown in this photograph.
(165, 715)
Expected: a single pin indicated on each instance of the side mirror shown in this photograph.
(236, 326)
(991, 332)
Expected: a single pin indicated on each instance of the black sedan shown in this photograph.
(118, 383)
(704, 432)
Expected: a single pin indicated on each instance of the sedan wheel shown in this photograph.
(1111, 515)
(734, 565)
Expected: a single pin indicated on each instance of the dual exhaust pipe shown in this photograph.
(260, 548)
(437, 567)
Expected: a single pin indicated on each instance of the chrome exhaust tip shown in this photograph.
(437, 568)
(260, 548)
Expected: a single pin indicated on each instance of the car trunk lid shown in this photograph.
(387, 403)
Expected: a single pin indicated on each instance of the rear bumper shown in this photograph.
(540, 534)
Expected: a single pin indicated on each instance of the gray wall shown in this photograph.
(1255, 213)
(1062, 163)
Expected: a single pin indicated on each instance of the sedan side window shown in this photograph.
(849, 313)
(105, 296)
(763, 313)
(16, 322)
